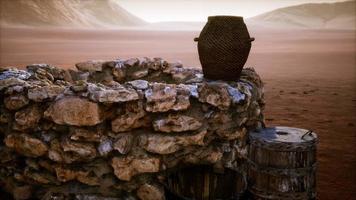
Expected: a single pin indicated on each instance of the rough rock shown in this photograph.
(139, 84)
(43, 69)
(86, 135)
(27, 117)
(74, 111)
(15, 102)
(39, 94)
(164, 97)
(66, 174)
(216, 94)
(111, 95)
(163, 144)
(14, 73)
(82, 149)
(150, 192)
(5, 83)
(176, 123)
(124, 143)
(127, 167)
(90, 66)
(129, 117)
(26, 145)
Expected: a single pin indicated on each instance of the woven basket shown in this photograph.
(224, 45)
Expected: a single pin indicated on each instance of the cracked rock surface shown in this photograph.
(114, 129)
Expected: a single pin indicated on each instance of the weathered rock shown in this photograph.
(163, 144)
(118, 70)
(27, 117)
(66, 174)
(47, 71)
(14, 73)
(26, 145)
(150, 192)
(90, 66)
(5, 83)
(216, 94)
(164, 97)
(15, 102)
(126, 167)
(87, 150)
(57, 154)
(87, 135)
(40, 177)
(131, 116)
(139, 84)
(79, 86)
(176, 123)
(111, 95)
(49, 92)
(123, 143)
(74, 111)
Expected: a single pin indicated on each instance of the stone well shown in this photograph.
(112, 129)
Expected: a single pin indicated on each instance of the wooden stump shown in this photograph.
(282, 163)
(203, 183)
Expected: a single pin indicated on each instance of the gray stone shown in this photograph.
(111, 95)
(139, 84)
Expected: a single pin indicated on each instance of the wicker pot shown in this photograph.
(224, 45)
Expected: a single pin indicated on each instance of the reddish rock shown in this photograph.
(150, 192)
(127, 167)
(27, 117)
(15, 102)
(176, 123)
(26, 145)
(74, 111)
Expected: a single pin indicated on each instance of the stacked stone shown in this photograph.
(112, 129)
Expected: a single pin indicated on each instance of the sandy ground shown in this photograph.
(309, 75)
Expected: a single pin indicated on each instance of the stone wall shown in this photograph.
(114, 128)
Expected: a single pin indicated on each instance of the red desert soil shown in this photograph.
(309, 75)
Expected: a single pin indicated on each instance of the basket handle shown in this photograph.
(196, 39)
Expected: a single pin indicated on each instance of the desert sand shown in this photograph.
(309, 75)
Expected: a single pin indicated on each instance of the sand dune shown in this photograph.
(340, 15)
(73, 13)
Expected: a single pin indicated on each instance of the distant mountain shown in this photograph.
(340, 15)
(67, 13)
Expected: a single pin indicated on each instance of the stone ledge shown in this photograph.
(113, 128)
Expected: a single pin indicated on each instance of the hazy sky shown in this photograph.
(198, 10)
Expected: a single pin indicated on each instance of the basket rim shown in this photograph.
(225, 17)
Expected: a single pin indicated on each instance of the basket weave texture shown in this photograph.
(224, 45)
